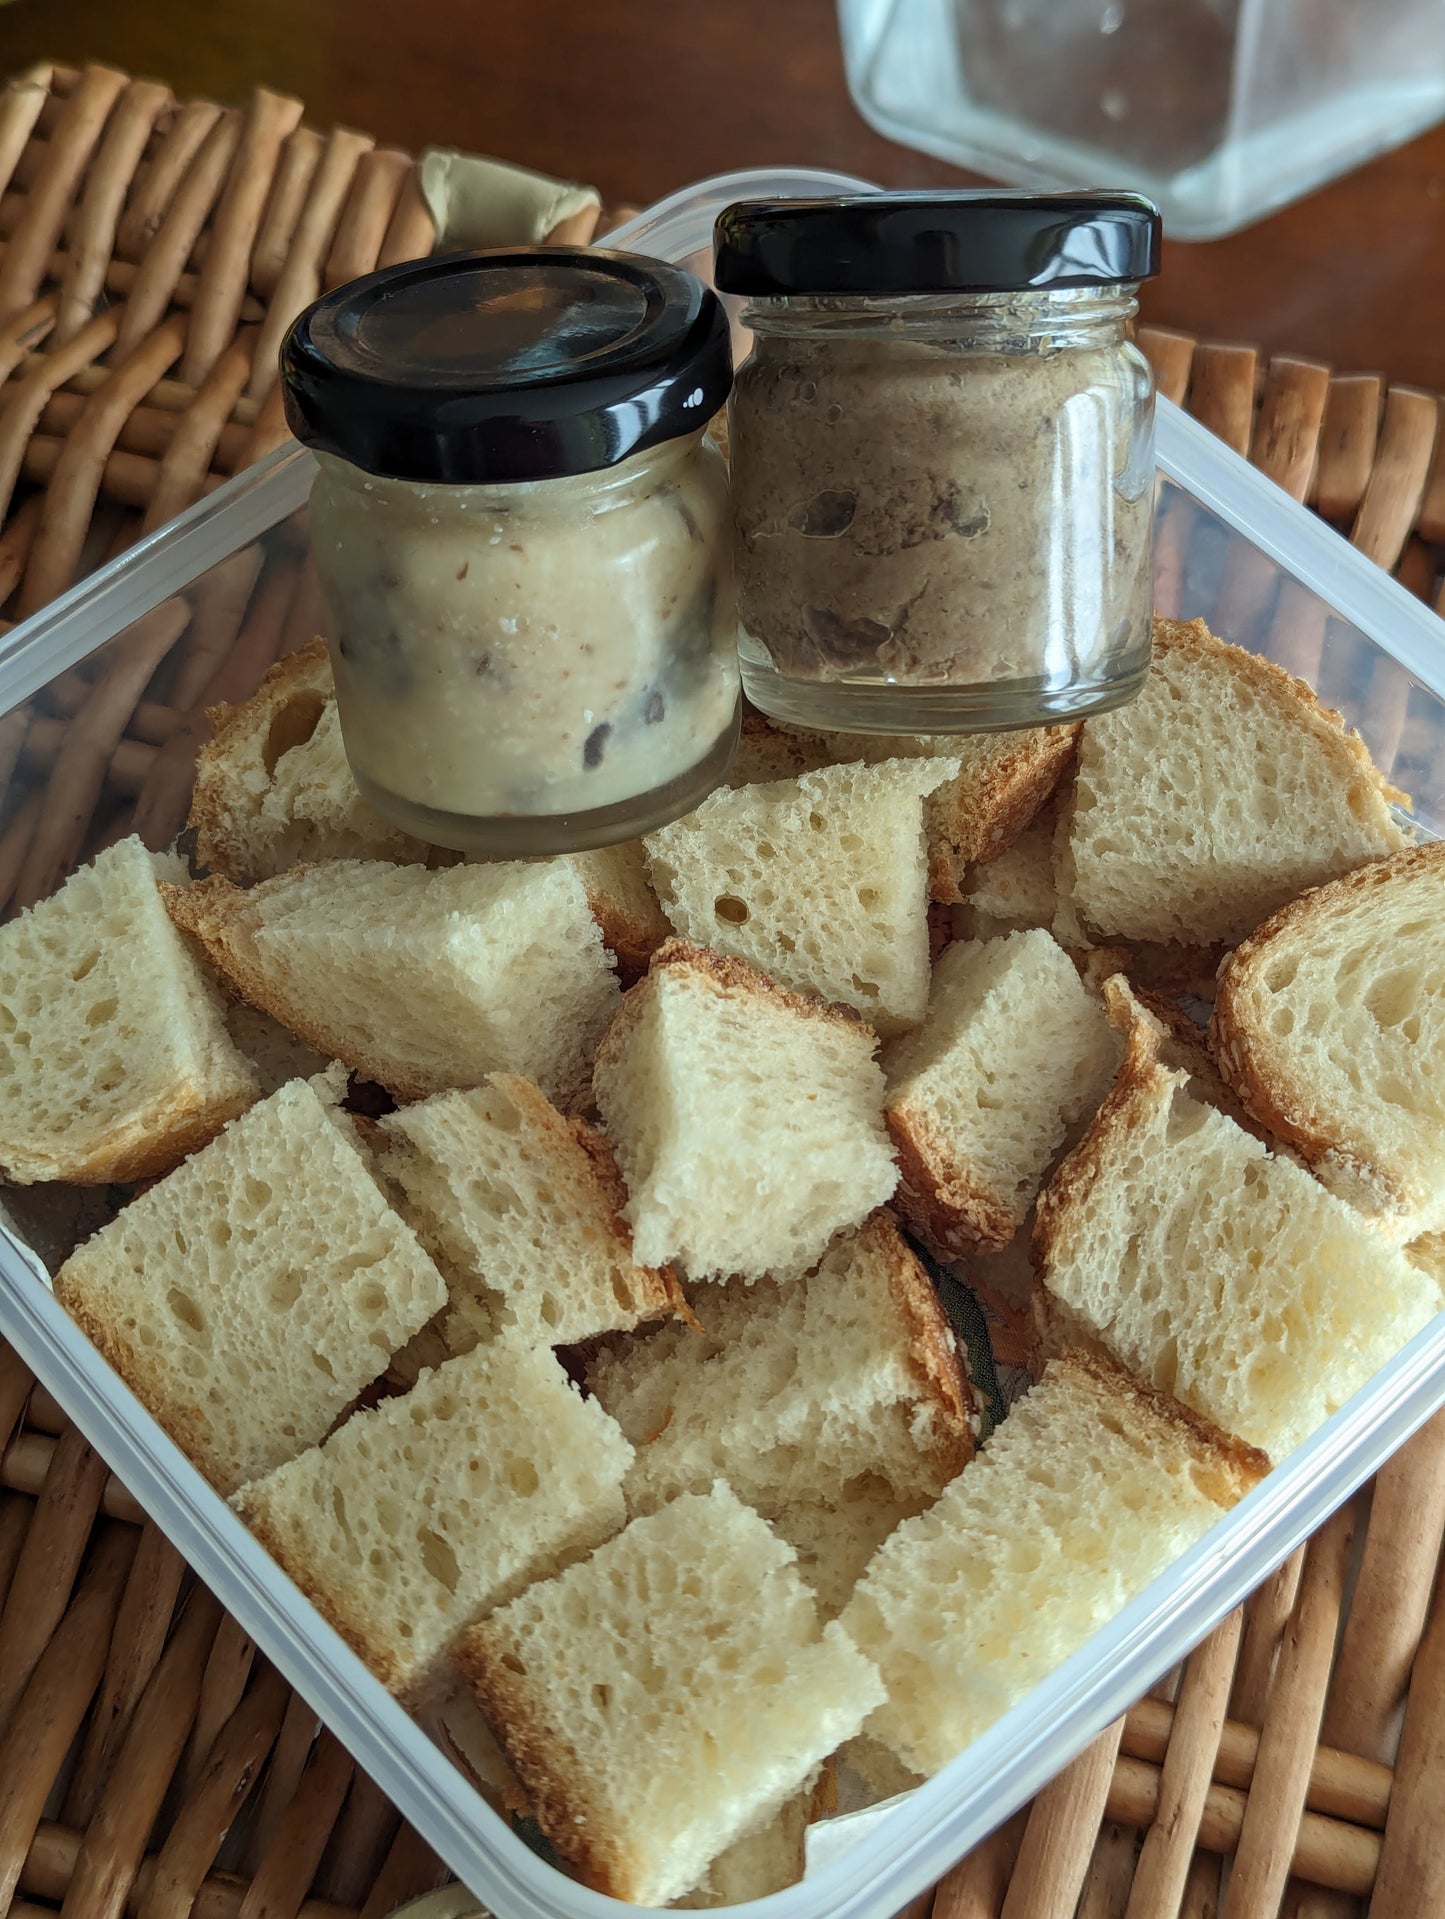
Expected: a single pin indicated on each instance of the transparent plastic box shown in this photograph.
(1231, 548)
(1219, 110)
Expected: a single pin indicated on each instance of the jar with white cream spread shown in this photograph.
(521, 531)
(942, 457)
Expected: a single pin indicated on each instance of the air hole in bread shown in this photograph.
(438, 1558)
(602, 1697)
(512, 1663)
(728, 907)
(293, 725)
(522, 1477)
(284, 1290)
(323, 1365)
(257, 1192)
(185, 1309)
(86, 964)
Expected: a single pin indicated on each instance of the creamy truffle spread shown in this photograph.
(909, 512)
(523, 536)
(538, 648)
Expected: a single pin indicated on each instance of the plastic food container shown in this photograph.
(523, 540)
(942, 457)
(1229, 547)
(1219, 112)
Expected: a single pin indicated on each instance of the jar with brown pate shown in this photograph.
(942, 457)
(522, 536)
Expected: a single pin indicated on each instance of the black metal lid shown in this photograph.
(988, 242)
(514, 364)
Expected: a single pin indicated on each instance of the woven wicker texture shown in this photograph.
(150, 1760)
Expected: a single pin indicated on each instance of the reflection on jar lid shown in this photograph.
(987, 242)
(515, 364)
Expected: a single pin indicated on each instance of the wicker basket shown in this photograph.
(150, 1760)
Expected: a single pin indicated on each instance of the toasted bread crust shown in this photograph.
(1237, 1465)
(658, 1293)
(547, 1763)
(951, 1212)
(932, 1350)
(1192, 640)
(144, 1147)
(976, 819)
(1277, 1099)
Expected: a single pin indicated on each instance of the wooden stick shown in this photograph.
(217, 310)
(136, 1642)
(359, 1843)
(25, 1468)
(231, 1769)
(308, 617)
(283, 1775)
(156, 184)
(1195, 1726)
(1330, 1852)
(14, 1522)
(411, 1869)
(300, 157)
(200, 438)
(1059, 1837)
(1291, 419)
(92, 240)
(290, 1861)
(75, 485)
(576, 230)
(16, 1385)
(52, 1860)
(23, 264)
(368, 212)
(1431, 522)
(164, 800)
(55, 1701)
(223, 1687)
(166, 396)
(1418, 570)
(90, 745)
(1171, 355)
(1347, 444)
(1265, 1613)
(1410, 1883)
(129, 479)
(1110, 1874)
(300, 280)
(20, 107)
(1201, 1889)
(15, 843)
(153, 289)
(1221, 394)
(114, 1844)
(1401, 467)
(1291, 1727)
(148, 429)
(1341, 1784)
(129, 764)
(219, 598)
(412, 232)
(26, 401)
(24, 333)
(15, 544)
(270, 430)
(48, 1562)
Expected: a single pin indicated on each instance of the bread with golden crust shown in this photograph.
(1329, 1023)
(1222, 791)
(668, 1695)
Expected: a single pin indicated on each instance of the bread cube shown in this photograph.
(747, 1120)
(421, 1514)
(114, 1057)
(668, 1695)
(247, 1298)
(1092, 1486)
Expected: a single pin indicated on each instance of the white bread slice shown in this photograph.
(623, 904)
(1015, 890)
(520, 1208)
(273, 786)
(819, 881)
(1091, 1487)
(836, 1540)
(668, 1695)
(1002, 781)
(114, 1058)
(1222, 791)
(422, 981)
(1012, 1053)
(274, 1051)
(247, 1298)
(797, 1390)
(747, 1120)
(1330, 1025)
(761, 1862)
(1217, 1271)
(420, 1515)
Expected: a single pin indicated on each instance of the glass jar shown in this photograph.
(942, 458)
(522, 535)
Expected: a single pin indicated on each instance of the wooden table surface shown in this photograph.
(641, 96)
